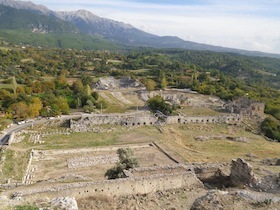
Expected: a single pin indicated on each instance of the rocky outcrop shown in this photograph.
(242, 173)
(271, 161)
(241, 199)
(110, 83)
(212, 200)
(66, 203)
(270, 183)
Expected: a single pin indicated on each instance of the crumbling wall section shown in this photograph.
(125, 186)
(112, 119)
(149, 171)
(82, 124)
(227, 119)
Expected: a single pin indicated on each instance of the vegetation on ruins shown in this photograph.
(158, 104)
(271, 128)
(50, 82)
(126, 161)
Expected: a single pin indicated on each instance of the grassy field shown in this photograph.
(108, 136)
(177, 140)
(182, 140)
(139, 70)
(195, 111)
(14, 165)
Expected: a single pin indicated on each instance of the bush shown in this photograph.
(127, 161)
(26, 207)
(271, 128)
(158, 104)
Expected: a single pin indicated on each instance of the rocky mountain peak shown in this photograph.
(27, 5)
(81, 14)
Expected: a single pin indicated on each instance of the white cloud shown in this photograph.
(250, 24)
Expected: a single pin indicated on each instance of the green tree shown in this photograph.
(78, 86)
(14, 85)
(158, 104)
(63, 105)
(150, 84)
(88, 90)
(271, 128)
(163, 83)
(20, 110)
(126, 161)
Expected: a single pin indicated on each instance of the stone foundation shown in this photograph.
(126, 186)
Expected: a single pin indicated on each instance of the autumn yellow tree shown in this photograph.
(20, 110)
(150, 84)
(35, 107)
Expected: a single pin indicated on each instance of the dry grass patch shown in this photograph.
(182, 140)
(14, 165)
(116, 135)
(196, 111)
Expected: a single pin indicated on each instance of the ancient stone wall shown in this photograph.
(11, 138)
(125, 186)
(228, 119)
(112, 119)
(246, 107)
(28, 173)
(83, 124)
(148, 171)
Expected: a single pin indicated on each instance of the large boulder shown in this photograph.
(242, 173)
(66, 203)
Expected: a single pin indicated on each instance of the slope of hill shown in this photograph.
(12, 18)
(126, 34)
(57, 40)
(26, 5)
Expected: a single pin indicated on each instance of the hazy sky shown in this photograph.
(243, 24)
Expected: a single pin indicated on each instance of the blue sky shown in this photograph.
(243, 24)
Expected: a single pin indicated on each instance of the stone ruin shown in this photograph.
(111, 83)
(80, 162)
(87, 123)
(144, 180)
(242, 173)
(141, 181)
(246, 107)
(184, 97)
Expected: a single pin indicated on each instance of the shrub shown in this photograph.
(271, 128)
(127, 161)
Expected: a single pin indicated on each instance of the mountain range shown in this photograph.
(85, 27)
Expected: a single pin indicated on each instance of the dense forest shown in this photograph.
(48, 82)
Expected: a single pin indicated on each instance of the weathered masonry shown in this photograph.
(228, 119)
(246, 107)
(141, 181)
(82, 124)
